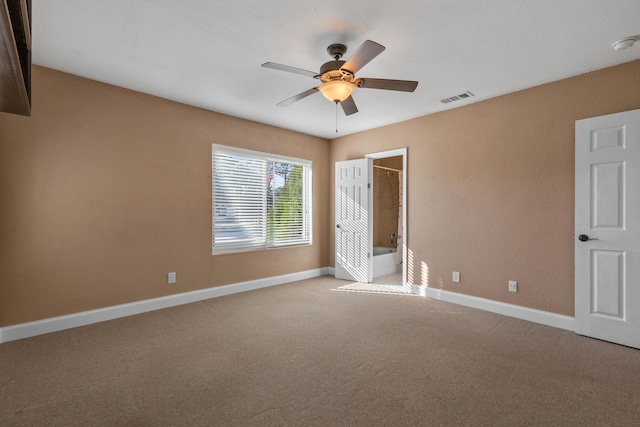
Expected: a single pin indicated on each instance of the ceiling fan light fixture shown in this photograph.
(336, 90)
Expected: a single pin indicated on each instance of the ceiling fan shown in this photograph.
(338, 77)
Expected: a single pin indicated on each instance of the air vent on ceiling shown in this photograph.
(465, 95)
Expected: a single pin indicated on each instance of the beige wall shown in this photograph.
(491, 187)
(103, 191)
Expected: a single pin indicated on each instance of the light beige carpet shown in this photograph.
(308, 354)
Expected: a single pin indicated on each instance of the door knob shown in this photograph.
(584, 238)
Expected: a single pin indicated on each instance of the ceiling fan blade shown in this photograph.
(386, 84)
(297, 97)
(361, 57)
(349, 106)
(289, 69)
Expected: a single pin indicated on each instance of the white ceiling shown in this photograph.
(208, 53)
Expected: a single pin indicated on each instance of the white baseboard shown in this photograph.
(39, 327)
(524, 313)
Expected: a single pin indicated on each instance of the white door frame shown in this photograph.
(393, 153)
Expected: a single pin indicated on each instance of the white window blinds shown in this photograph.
(259, 201)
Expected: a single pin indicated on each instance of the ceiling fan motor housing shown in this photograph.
(332, 70)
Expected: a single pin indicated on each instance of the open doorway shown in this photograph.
(389, 219)
(354, 188)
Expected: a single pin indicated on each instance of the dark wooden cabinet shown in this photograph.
(15, 56)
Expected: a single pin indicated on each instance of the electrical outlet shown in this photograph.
(513, 286)
(456, 276)
(171, 277)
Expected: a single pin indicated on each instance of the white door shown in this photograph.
(353, 221)
(607, 221)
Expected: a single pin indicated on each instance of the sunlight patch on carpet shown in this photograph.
(373, 288)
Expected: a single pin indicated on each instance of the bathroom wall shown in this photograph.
(385, 201)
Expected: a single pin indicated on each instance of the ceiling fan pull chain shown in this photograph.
(336, 116)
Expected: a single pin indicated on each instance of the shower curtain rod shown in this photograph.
(386, 168)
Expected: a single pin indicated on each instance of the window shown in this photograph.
(259, 201)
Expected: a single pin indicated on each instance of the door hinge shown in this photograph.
(368, 185)
(368, 254)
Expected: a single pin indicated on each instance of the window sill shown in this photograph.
(243, 250)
